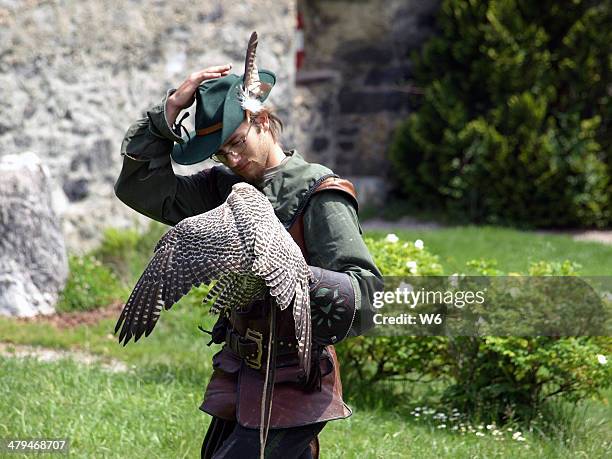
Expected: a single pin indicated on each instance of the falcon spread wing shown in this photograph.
(244, 247)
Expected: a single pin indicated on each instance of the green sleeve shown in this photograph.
(332, 234)
(147, 182)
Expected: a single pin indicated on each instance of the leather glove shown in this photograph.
(332, 305)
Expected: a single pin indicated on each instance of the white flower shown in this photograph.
(479, 434)
(412, 266)
(419, 244)
(442, 426)
(601, 359)
(516, 435)
(391, 238)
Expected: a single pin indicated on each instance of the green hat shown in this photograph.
(218, 114)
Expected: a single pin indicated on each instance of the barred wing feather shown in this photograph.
(197, 250)
(279, 261)
(243, 247)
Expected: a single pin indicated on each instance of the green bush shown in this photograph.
(118, 250)
(499, 379)
(401, 258)
(90, 285)
(374, 359)
(128, 252)
(110, 271)
(515, 122)
(504, 379)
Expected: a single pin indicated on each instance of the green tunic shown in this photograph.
(332, 232)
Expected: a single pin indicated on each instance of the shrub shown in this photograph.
(110, 271)
(90, 285)
(503, 379)
(515, 122)
(374, 359)
(401, 258)
(128, 252)
(497, 378)
(117, 250)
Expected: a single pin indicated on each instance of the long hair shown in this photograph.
(276, 125)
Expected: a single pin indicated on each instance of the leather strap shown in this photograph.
(331, 183)
(208, 130)
(246, 348)
(340, 184)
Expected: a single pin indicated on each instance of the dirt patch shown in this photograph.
(65, 320)
(44, 354)
(75, 318)
(601, 236)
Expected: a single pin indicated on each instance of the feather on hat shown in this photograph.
(252, 91)
(221, 106)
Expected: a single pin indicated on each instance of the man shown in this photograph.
(320, 212)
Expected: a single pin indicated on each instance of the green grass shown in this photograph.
(173, 343)
(145, 414)
(390, 433)
(153, 413)
(512, 249)
(153, 410)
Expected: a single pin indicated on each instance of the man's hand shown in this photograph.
(185, 93)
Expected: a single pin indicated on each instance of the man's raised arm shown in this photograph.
(147, 182)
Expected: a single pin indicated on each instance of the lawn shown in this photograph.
(512, 249)
(152, 410)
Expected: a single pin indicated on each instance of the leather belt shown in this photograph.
(252, 345)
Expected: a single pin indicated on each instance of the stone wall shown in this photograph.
(356, 83)
(74, 74)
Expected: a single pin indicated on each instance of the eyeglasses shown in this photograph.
(236, 149)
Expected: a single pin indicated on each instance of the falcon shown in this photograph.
(244, 248)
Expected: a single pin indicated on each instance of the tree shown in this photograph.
(514, 125)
